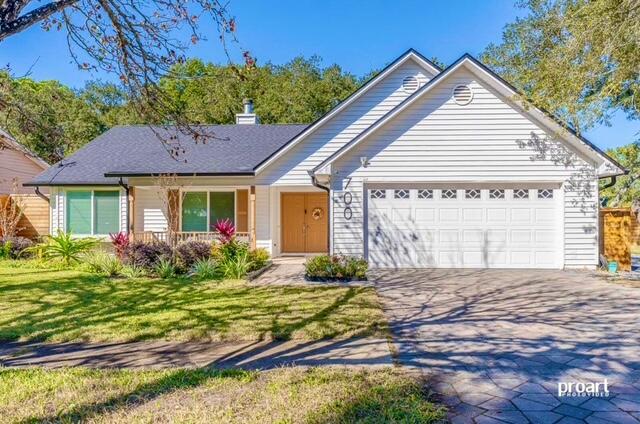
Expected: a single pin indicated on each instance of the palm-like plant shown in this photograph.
(63, 246)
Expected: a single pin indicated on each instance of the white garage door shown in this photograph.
(464, 228)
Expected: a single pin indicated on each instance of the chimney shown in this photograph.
(247, 117)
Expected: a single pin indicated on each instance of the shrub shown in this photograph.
(190, 252)
(14, 247)
(229, 250)
(226, 230)
(165, 268)
(259, 258)
(236, 267)
(133, 271)
(120, 242)
(103, 263)
(64, 247)
(336, 267)
(147, 255)
(205, 269)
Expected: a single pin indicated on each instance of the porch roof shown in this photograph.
(137, 150)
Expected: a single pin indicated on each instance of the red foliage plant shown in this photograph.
(226, 230)
(120, 243)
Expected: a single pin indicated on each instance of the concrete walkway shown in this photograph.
(361, 352)
(495, 344)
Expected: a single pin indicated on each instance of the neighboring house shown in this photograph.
(421, 167)
(17, 166)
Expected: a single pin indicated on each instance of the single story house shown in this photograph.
(420, 167)
(18, 165)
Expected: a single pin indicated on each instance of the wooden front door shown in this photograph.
(304, 222)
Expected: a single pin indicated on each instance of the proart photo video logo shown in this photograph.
(583, 389)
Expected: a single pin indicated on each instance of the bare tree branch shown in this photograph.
(11, 24)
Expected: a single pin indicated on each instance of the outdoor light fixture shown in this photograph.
(364, 161)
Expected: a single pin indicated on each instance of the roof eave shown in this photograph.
(180, 174)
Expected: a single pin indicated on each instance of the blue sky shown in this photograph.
(358, 35)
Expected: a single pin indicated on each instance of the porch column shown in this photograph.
(252, 216)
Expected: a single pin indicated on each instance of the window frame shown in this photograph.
(208, 192)
(91, 190)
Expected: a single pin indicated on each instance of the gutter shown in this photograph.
(179, 174)
(126, 191)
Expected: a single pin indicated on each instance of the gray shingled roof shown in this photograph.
(137, 150)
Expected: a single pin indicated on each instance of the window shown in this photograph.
(194, 211)
(496, 193)
(546, 193)
(378, 194)
(401, 194)
(449, 194)
(425, 194)
(521, 193)
(472, 194)
(201, 210)
(221, 206)
(93, 212)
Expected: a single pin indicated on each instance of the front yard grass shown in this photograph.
(60, 306)
(292, 395)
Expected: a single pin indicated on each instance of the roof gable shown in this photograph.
(410, 54)
(7, 139)
(606, 165)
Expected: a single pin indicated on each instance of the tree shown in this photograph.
(627, 189)
(133, 39)
(579, 59)
(298, 91)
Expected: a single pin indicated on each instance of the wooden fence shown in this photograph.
(619, 233)
(34, 222)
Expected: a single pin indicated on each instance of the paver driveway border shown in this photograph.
(493, 344)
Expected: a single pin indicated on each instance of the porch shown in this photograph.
(183, 236)
(290, 220)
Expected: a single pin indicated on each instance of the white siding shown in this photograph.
(57, 206)
(436, 140)
(263, 218)
(148, 210)
(292, 168)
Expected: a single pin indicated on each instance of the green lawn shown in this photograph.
(56, 306)
(285, 395)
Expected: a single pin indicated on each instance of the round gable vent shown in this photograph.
(410, 84)
(462, 94)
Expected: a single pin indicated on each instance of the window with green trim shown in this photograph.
(201, 209)
(93, 212)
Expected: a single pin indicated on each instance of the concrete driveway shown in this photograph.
(495, 344)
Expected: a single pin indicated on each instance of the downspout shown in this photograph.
(315, 183)
(610, 183)
(41, 195)
(126, 192)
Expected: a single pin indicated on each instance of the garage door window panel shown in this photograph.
(496, 194)
(472, 194)
(545, 194)
(520, 194)
(449, 194)
(425, 194)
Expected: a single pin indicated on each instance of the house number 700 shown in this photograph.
(348, 213)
